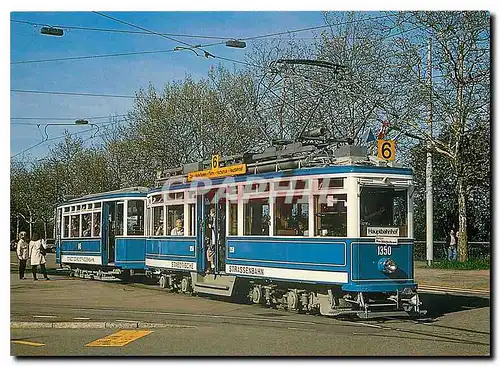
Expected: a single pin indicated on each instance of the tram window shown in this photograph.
(97, 224)
(65, 226)
(285, 185)
(86, 223)
(119, 219)
(174, 213)
(158, 198)
(291, 216)
(383, 207)
(176, 195)
(326, 183)
(158, 220)
(233, 218)
(257, 216)
(66, 209)
(331, 215)
(231, 190)
(97, 205)
(135, 217)
(256, 188)
(75, 226)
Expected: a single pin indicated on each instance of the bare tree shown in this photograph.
(460, 94)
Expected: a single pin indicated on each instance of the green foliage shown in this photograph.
(69, 170)
(477, 164)
(471, 264)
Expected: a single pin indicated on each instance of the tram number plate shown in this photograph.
(384, 250)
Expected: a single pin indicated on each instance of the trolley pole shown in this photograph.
(428, 168)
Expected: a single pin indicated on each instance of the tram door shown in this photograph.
(214, 232)
(109, 228)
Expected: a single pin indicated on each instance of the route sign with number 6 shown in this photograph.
(386, 149)
(214, 162)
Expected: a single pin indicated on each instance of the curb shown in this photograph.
(93, 325)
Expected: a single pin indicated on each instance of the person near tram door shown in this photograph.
(37, 255)
(210, 240)
(22, 253)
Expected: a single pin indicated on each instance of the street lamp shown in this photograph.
(51, 31)
(235, 43)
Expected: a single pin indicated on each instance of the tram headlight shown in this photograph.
(387, 265)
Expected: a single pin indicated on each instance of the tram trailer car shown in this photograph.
(102, 235)
(333, 240)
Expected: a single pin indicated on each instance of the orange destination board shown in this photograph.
(218, 172)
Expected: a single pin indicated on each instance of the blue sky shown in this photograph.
(122, 75)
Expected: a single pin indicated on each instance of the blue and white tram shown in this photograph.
(102, 234)
(336, 239)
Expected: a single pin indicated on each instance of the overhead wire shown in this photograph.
(59, 119)
(64, 135)
(71, 93)
(190, 46)
(109, 30)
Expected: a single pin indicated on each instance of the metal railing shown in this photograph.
(477, 250)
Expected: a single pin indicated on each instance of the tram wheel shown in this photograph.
(256, 295)
(185, 285)
(163, 281)
(292, 300)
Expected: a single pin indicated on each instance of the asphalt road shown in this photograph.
(201, 326)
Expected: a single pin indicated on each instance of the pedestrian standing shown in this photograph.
(452, 241)
(37, 254)
(22, 253)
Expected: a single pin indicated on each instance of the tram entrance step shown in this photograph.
(382, 314)
(213, 284)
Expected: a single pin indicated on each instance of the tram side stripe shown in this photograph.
(290, 274)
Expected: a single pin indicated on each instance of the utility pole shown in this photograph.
(428, 169)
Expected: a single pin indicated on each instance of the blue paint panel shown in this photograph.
(290, 253)
(130, 252)
(58, 251)
(365, 262)
(171, 246)
(86, 245)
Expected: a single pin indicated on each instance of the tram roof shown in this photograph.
(124, 192)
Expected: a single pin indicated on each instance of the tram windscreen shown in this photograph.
(383, 211)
